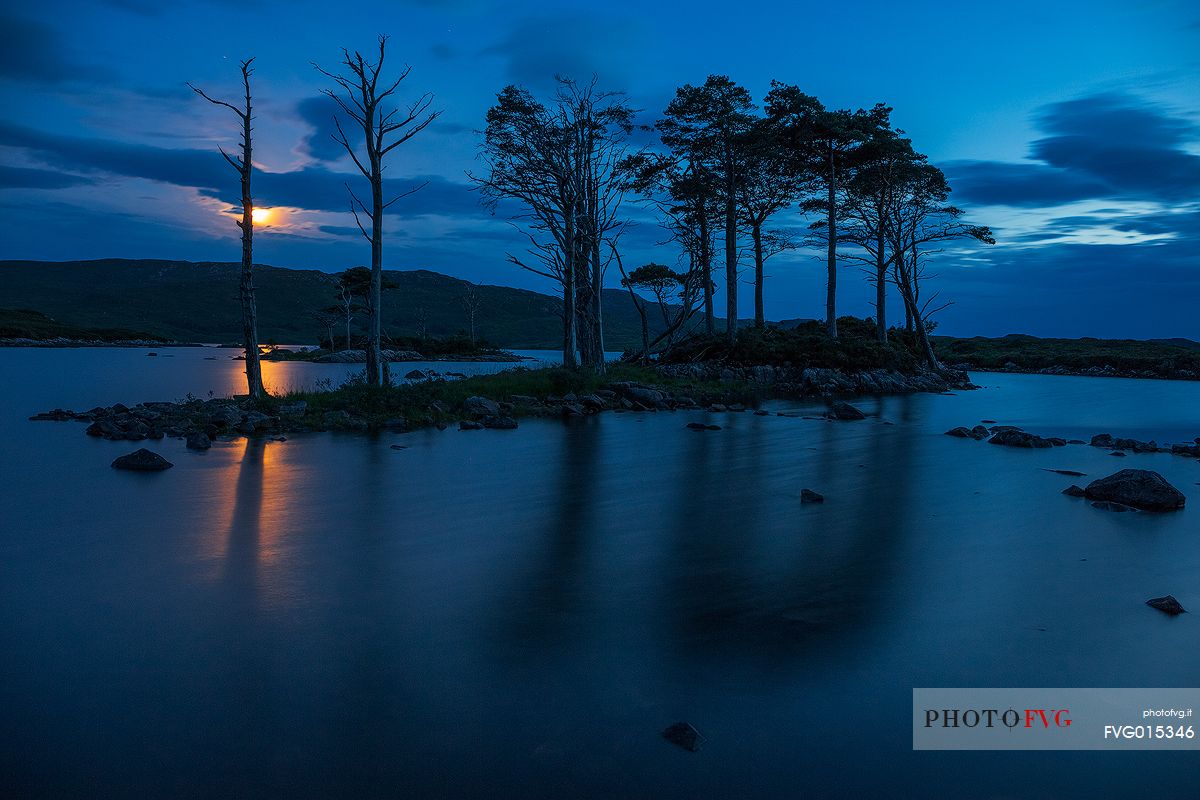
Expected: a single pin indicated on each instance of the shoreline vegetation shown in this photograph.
(700, 372)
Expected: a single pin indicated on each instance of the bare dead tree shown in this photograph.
(244, 166)
(471, 303)
(365, 100)
(327, 318)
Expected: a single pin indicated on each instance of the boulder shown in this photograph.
(468, 425)
(1167, 605)
(1139, 488)
(681, 734)
(142, 461)
(961, 432)
(415, 375)
(198, 440)
(1074, 491)
(809, 496)
(1018, 438)
(844, 411)
(500, 423)
(481, 406)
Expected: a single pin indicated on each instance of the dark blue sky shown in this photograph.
(1069, 127)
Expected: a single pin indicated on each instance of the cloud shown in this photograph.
(29, 178)
(537, 49)
(32, 52)
(1102, 146)
(1016, 184)
(311, 188)
(318, 113)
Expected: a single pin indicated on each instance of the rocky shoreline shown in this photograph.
(397, 356)
(1106, 371)
(200, 422)
(804, 382)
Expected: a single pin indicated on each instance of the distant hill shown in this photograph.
(198, 302)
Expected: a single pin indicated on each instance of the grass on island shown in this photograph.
(435, 347)
(806, 345)
(442, 400)
(1033, 353)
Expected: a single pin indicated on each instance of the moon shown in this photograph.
(260, 216)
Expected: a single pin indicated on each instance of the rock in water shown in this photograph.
(844, 411)
(198, 440)
(809, 496)
(469, 425)
(1140, 488)
(1018, 438)
(1071, 472)
(142, 461)
(961, 432)
(1167, 605)
(681, 734)
(1074, 491)
(481, 406)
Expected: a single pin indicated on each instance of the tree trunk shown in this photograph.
(706, 269)
(254, 382)
(831, 254)
(598, 304)
(880, 288)
(760, 318)
(375, 364)
(731, 287)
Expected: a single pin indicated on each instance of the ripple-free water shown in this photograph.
(520, 613)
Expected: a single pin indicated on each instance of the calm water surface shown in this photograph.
(520, 613)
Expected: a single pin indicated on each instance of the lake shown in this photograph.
(521, 613)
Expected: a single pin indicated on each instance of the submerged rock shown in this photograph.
(809, 496)
(1108, 505)
(1013, 437)
(844, 411)
(682, 734)
(142, 461)
(1167, 605)
(1140, 488)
